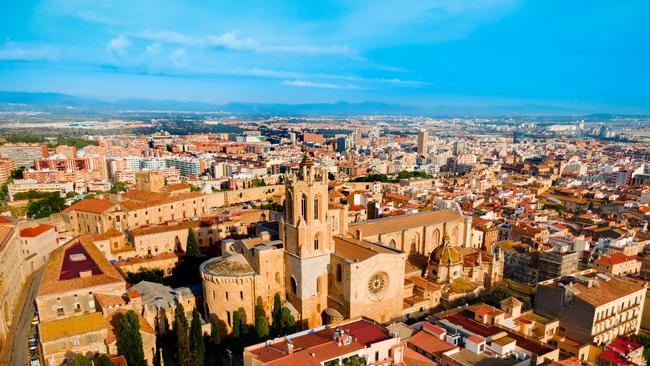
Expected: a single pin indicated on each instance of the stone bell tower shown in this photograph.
(307, 237)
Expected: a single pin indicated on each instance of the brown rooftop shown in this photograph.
(402, 222)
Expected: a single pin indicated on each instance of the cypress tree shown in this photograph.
(197, 347)
(81, 360)
(261, 323)
(183, 355)
(103, 360)
(236, 325)
(215, 332)
(192, 249)
(287, 321)
(275, 315)
(129, 340)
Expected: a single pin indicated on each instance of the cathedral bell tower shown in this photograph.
(307, 237)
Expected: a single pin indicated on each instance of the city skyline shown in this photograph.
(588, 57)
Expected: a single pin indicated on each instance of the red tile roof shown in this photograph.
(429, 343)
(35, 231)
(614, 258)
(94, 205)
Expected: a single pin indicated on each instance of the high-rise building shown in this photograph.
(423, 139)
(24, 154)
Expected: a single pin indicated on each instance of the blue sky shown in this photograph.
(587, 54)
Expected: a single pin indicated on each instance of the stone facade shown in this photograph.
(329, 271)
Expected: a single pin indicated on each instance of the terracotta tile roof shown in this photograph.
(107, 301)
(424, 283)
(429, 343)
(102, 272)
(615, 258)
(163, 228)
(412, 358)
(608, 291)
(67, 327)
(357, 250)
(94, 205)
(398, 223)
(31, 232)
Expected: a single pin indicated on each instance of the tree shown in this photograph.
(183, 355)
(287, 321)
(145, 274)
(192, 249)
(117, 187)
(215, 332)
(275, 315)
(81, 360)
(103, 360)
(236, 325)
(129, 341)
(197, 347)
(261, 323)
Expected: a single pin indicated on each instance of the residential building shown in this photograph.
(592, 307)
(361, 339)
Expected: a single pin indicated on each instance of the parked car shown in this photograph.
(35, 318)
(35, 362)
(32, 343)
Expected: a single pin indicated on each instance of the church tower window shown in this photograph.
(303, 205)
(339, 273)
(294, 286)
(316, 208)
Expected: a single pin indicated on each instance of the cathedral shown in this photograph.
(327, 270)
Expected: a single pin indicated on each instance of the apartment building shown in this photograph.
(591, 306)
(24, 154)
(618, 264)
(6, 167)
(37, 242)
(558, 262)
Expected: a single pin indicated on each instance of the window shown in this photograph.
(316, 208)
(316, 243)
(339, 273)
(63, 345)
(91, 338)
(226, 295)
(75, 342)
(318, 285)
(241, 295)
(59, 311)
(294, 286)
(228, 316)
(91, 304)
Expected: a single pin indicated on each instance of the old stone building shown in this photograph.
(328, 272)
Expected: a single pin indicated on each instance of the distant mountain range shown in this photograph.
(68, 104)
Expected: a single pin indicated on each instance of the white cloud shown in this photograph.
(153, 48)
(233, 41)
(312, 84)
(92, 17)
(178, 55)
(12, 51)
(118, 44)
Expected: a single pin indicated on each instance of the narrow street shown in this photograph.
(19, 351)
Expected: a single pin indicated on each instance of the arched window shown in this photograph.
(316, 208)
(316, 242)
(303, 205)
(294, 286)
(339, 273)
(392, 243)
